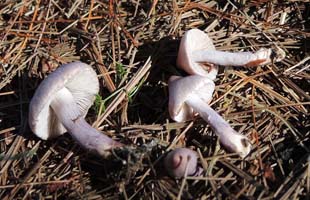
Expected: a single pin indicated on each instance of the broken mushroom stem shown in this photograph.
(69, 115)
(229, 138)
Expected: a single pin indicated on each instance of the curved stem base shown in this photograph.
(89, 138)
(229, 138)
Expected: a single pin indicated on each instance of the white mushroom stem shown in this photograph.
(229, 138)
(262, 56)
(68, 113)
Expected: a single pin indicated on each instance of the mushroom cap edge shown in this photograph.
(193, 40)
(181, 88)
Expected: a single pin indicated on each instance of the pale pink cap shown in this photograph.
(179, 160)
(80, 79)
(181, 88)
(194, 40)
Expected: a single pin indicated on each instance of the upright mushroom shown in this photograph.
(197, 49)
(190, 95)
(60, 104)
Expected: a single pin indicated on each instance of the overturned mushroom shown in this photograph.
(181, 162)
(60, 104)
(197, 49)
(190, 95)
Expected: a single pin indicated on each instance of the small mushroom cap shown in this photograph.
(181, 88)
(178, 160)
(194, 40)
(80, 79)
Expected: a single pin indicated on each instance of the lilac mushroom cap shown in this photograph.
(181, 162)
(192, 41)
(60, 104)
(79, 79)
(182, 88)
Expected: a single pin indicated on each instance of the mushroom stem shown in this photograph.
(229, 138)
(262, 56)
(69, 115)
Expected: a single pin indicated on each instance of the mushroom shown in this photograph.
(60, 104)
(197, 49)
(181, 162)
(190, 95)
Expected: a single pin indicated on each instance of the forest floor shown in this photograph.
(133, 45)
